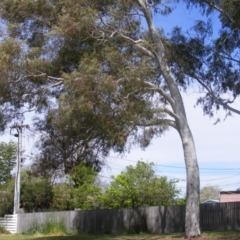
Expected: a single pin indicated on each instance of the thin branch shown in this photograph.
(137, 44)
(221, 11)
(216, 99)
(160, 91)
(157, 122)
(60, 80)
(166, 110)
(55, 78)
(223, 55)
(55, 85)
(30, 75)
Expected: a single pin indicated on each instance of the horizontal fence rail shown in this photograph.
(9, 222)
(163, 219)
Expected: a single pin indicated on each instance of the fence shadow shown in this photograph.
(164, 219)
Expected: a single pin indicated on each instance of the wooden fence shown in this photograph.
(220, 216)
(164, 219)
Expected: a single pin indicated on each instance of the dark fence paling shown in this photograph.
(164, 219)
(145, 219)
(220, 216)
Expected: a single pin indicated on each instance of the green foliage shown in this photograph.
(82, 174)
(36, 193)
(181, 201)
(76, 55)
(51, 227)
(8, 152)
(79, 191)
(6, 197)
(84, 190)
(86, 196)
(139, 186)
(62, 197)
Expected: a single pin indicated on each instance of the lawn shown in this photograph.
(228, 235)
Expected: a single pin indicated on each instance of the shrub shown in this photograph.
(47, 228)
(3, 230)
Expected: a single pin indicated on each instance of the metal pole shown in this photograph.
(18, 168)
(17, 179)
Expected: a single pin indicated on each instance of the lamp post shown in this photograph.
(19, 128)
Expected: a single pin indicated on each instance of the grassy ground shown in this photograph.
(226, 235)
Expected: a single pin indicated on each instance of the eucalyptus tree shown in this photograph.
(108, 65)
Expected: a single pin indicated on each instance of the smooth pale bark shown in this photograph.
(192, 228)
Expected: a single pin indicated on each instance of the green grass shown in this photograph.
(224, 235)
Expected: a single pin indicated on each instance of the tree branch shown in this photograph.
(137, 44)
(158, 122)
(220, 10)
(166, 110)
(216, 99)
(160, 91)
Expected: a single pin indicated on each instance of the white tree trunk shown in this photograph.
(192, 228)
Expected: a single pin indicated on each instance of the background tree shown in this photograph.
(8, 152)
(209, 192)
(6, 197)
(36, 193)
(85, 192)
(62, 197)
(138, 187)
(65, 142)
(8, 155)
(78, 190)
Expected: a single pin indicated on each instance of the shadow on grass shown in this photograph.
(218, 235)
(111, 236)
(221, 235)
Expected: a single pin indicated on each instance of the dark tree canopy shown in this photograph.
(36, 192)
(97, 86)
(209, 54)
